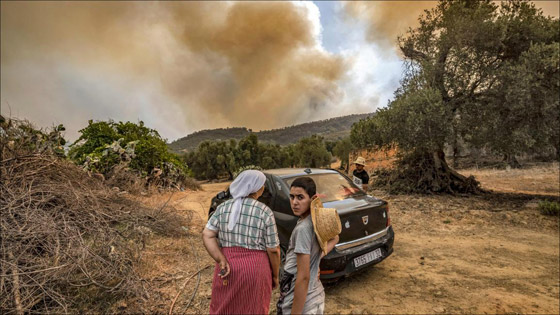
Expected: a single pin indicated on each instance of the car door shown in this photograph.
(268, 195)
(285, 218)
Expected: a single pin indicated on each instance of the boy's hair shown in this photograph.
(307, 183)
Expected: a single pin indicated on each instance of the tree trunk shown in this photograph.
(455, 149)
(511, 160)
(423, 172)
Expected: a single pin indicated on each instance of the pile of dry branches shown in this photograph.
(68, 243)
(120, 176)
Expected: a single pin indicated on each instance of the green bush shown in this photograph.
(106, 144)
(549, 208)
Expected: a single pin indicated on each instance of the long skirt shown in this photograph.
(247, 289)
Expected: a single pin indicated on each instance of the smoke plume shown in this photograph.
(181, 65)
(389, 19)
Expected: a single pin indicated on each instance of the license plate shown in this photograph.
(365, 258)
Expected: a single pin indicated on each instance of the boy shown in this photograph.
(301, 291)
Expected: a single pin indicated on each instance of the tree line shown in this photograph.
(223, 159)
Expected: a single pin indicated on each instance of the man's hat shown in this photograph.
(326, 223)
(360, 160)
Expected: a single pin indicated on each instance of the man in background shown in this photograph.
(361, 177)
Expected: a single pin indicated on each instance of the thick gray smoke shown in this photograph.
(183, 65)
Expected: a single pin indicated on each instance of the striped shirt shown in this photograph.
(255, 229)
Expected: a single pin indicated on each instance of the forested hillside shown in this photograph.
(330, 129)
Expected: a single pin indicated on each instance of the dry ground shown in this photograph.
(493, 253)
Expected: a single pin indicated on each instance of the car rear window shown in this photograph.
(332, 187)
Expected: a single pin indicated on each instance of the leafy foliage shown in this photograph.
(522, 112)
(549, 208)
(416, 120)
(72, 244)
(106, 144)
(496, 70)
(311, 152)
(342, 149)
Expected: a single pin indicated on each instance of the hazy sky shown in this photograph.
(187, 66)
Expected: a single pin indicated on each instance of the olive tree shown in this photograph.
(479, 72)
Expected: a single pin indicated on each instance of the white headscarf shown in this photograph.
(246, 183)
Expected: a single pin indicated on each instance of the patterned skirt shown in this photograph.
(247, 289)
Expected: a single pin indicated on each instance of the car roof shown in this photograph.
(291, 172)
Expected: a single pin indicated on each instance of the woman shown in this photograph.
(241, 236)
(301, 291)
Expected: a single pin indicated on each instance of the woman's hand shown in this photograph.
(210, 240)
(274, 259)
(224, 267)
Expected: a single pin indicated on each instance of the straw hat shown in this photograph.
(326, 223)
(360, 160)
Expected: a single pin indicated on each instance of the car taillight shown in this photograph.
(388, 217)
(327, 272)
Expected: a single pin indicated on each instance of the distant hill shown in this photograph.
(330, 129)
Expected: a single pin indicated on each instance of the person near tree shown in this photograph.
(360, 175)
(315, 235)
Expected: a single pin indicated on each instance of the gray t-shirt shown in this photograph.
(304, 241)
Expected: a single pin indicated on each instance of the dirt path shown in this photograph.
(463, 266)
(479, 254)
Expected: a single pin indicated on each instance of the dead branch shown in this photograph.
(15, 285)
(183, 288)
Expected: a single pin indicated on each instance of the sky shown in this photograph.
(187, 66)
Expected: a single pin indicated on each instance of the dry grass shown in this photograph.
(541, 179)
(170, 263)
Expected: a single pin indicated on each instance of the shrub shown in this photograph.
(103, 146)
(549, 208)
